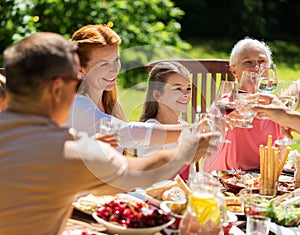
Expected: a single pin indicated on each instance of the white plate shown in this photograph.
(79, 232)
(280, 230)
(87, 203)
(286, 179)
(116, 229)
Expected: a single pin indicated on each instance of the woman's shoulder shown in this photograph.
(152, 120)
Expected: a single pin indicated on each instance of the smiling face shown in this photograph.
(103, 68)
(176, 94)
(248, 55)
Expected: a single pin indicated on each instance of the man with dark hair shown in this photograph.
(43, 165)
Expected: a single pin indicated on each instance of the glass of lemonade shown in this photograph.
(206, 209)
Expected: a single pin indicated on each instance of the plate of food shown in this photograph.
(233, 203)
(82, 232)
(89, 203)
(286, 179)
(124, 217)
(289, 166)
(283, 210)
(237, 181)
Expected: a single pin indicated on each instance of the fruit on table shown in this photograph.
(131, 215)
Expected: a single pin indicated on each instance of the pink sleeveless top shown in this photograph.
(243, 151)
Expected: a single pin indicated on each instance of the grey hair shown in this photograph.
(240, 46)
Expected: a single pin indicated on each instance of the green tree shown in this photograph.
(137, 22)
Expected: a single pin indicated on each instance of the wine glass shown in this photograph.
(213, 123)
(288, 94)
(267, 81)
(202, 125)
(245, 103)
(247, 97)
(248, 82)
(226, 97)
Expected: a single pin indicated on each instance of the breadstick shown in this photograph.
(266, 173)
(276, 158)
(272, 169)
(269, 143)
(262, 168)
(283, 160)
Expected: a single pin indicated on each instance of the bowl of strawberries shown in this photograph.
(124, 217)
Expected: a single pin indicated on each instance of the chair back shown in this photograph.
(2, 71)
(205, 74)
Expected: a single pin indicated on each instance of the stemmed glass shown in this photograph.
(267, 81)
(288, 94)
(226, 97)
(213, 123)
(202, 125)
(247, 97)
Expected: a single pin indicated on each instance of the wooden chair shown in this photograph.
(205, 74)
(2, 71)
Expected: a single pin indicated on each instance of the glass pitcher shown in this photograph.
(206, 207)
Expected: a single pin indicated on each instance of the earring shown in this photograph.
(81, 76)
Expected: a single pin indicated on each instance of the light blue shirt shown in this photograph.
(85, 115)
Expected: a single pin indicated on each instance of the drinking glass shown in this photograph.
(267, 81)
(202, 125)
(247, 97)
(245, 103)
(288, 94)
(213, 123)
(107, 127)
(248, 82)
(257, 225)
(205, 212)
(226, 97)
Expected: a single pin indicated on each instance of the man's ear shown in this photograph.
(55, 89)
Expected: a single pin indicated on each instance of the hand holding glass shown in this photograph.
(108, 130)
(288, 93)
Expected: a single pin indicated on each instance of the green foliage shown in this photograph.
(137, 22)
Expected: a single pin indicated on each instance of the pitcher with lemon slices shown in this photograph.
(205, 211)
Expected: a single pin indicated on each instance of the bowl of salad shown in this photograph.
(283, 210)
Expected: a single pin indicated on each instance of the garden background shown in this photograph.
(159, 29)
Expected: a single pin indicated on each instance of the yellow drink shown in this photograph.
(205, 207)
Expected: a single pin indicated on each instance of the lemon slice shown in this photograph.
(206, 207)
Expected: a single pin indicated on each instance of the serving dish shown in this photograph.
(117, 229)
(82, 232)
(89, 203)
(236, 182)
